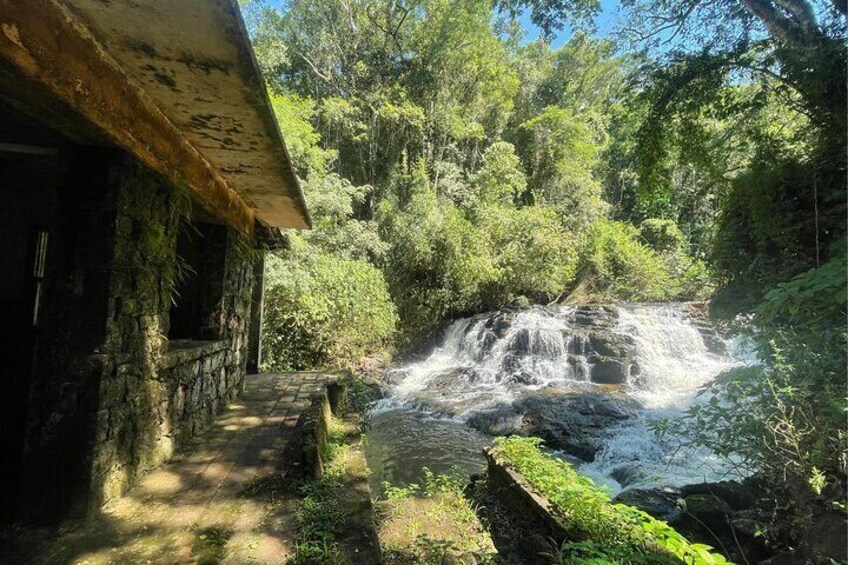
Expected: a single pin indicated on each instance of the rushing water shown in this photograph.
(495, 360)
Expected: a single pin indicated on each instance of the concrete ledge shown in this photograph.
(183, 351)
(519, 495)
(314, 423)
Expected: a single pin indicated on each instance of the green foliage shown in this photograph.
(785, 418)
(775, 225)
(661, 235)
(561, 152)
(324, 311)
(320, 511)
(618, 265)
(438, 265)
(535, 256)
(812, 298)
(294, 115)
(500, 179)
(603, 532)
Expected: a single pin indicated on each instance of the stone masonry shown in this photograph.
(227, 498)
(126, 395)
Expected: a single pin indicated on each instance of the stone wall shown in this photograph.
(134, 396)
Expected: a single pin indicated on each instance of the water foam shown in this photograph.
(492, 359)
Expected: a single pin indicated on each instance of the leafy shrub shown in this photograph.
(661, 235)
(617, 533)
(321, 310)
(785, 418)
(534, 254)
(619, 266)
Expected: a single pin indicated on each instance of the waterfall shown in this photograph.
(529, 370)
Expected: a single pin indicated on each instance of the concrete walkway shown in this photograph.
(228, 498)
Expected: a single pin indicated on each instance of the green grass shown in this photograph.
(599, 531)
(432, 523)
(321, 510)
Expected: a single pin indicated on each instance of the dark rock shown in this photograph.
(573, 422)
(570, 421)
(609, 371)
(737, 496)
(708, 511)
(500, 323)
(660, 503)
(626, 475)
(523, 378)
(520, 343)
(827, 538)
(578, 344)
(595, 316)
(500, 422)
(609, 344)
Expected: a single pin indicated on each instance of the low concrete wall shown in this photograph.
(315, 424)
(520, 496)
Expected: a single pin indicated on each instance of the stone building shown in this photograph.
(142, 175)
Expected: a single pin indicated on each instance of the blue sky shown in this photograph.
(606, 22)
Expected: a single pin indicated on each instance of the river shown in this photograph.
(589, 380)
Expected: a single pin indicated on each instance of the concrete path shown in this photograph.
(228, 498)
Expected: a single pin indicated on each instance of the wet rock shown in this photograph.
(573, 422)
(520, 343)
(708, 511)
(609, 344)
(609, 371)
(628, 474)
(595, 316)
(737, 496)
(500, 323)
(523, 378)
(499, 422)
(661, 503)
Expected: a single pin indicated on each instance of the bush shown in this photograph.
(321, 310)
(610, 533)
(661, 235)
(534, 254)
(620, 267)
(784, 419)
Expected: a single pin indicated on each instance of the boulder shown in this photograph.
(708, 511)
(500, 323)
(573, 422)
(627, 474)
(609, 371)
(737, 496)
(501, 421)
(595, 316)
(661, 503)
(520, 343)
(609, 344)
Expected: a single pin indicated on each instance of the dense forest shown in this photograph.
(454, 166)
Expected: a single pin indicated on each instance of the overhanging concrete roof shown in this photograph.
(173, 81)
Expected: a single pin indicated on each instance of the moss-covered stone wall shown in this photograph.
(135, 398)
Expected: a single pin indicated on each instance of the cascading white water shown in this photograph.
(496, 360)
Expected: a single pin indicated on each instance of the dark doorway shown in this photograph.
(32, 170)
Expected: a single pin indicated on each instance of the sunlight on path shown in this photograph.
(227, 498)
